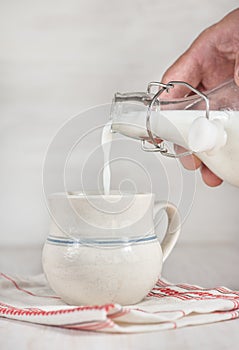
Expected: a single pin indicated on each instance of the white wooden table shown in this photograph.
(207, 264)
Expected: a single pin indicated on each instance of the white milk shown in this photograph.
(106, 140)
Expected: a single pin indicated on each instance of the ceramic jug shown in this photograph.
(104, 248)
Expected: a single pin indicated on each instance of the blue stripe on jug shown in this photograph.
(66, 241)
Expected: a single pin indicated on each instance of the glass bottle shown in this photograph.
(206, 124)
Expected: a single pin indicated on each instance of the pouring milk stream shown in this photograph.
(205, 124)
(106, 141)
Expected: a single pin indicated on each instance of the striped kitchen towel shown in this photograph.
(167, 306)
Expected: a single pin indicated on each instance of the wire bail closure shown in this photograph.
(166, 87)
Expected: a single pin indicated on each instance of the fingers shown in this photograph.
(192, 162)
(187, 69)
(210, 178)
(189, 162)
(236, 69)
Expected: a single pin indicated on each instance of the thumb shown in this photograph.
(236, 69)
(187, 69)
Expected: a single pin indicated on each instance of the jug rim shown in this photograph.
(97, 194)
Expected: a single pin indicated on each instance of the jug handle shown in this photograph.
(173, 227)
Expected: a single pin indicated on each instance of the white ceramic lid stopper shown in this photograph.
(206, 135)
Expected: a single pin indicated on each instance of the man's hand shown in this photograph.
(211, 59)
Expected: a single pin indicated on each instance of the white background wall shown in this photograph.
(60, 57)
